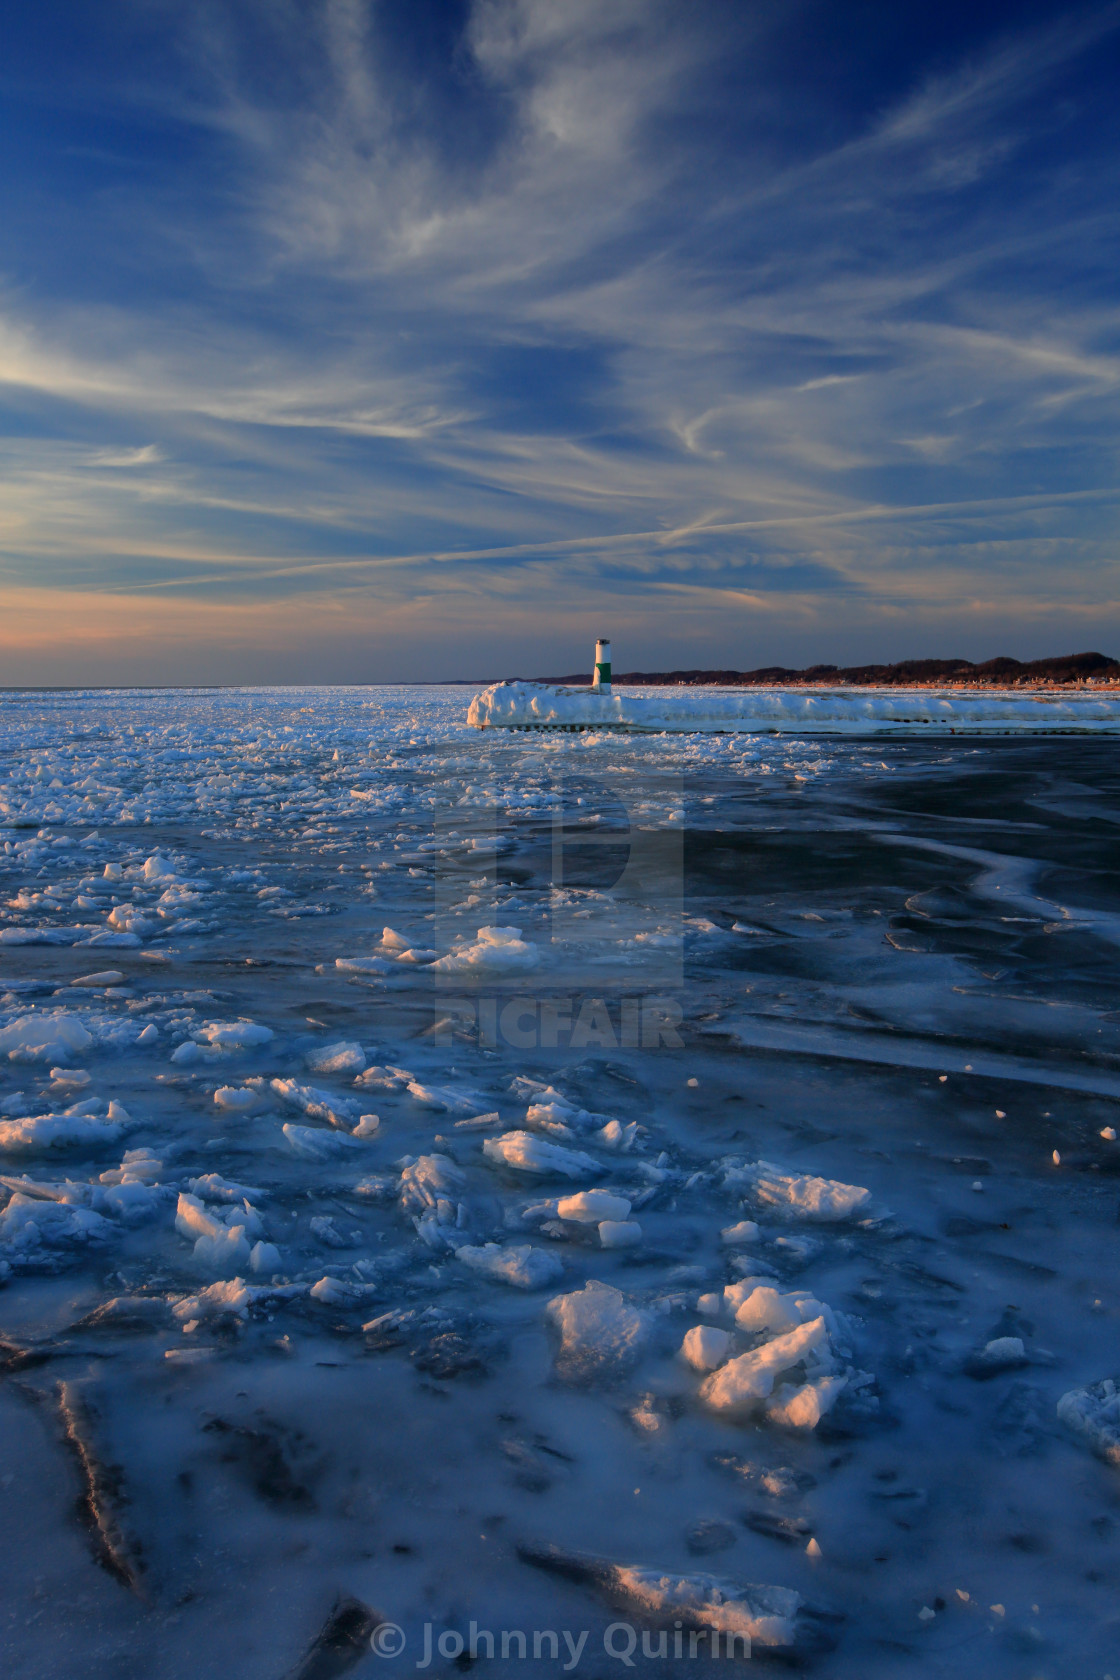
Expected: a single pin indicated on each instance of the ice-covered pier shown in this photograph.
(776, 711)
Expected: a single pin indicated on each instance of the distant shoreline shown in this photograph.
(1065, 670)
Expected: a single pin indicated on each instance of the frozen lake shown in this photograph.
(588, 1186)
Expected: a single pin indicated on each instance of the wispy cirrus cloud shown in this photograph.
(532, 300)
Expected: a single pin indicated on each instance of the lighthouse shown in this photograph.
(601, 681)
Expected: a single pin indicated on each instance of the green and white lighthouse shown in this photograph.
(601, 682)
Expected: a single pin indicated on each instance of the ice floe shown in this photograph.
(521, 1266)
(318, 1143)
(343, 1057)
(601, 1334)
(53, 1133)
(799, 1196)
(525, 1153)
(50, 1036)
(497, 950)
(318, 1104)
(743, 1616)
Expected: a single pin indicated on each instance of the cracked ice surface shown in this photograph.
(361, 1240)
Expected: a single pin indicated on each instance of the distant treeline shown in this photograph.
(907, 673)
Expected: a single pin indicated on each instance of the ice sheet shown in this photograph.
(309, 1348)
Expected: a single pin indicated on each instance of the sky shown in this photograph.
(390, 340)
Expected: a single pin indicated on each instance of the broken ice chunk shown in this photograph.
(157, 868)
(804, 1197)
(478, 1122)
(129, 1312)
(69, 1076)
(343, 1057)
(219, 1300)
(363, 965)
(765, 1615)
(28, 1223)
(264, 1259)
(765, 1309)
(212, 1187)
(128, 923)
(620, 1233)
(1093, 1413)
(383, 1079)
(761, 1616)
(49, 1037)
(323, 1227)
(377, 1187)
(131, 1201)
(219, 1247)
(498, 950)
(427, 1180)
(445, 1099)
(705, 1348)
(47, 1133)
(744, 1382)
(600, 1333)
(237, 1099)
(233, 1035)
(614, 1135)
(50, 1190)
(526, 1153)
(734, 1294)
(588, 1207)
(526, 1089)
(551, 1117)
(802, 1406)
(523, 1267)
(1004, 1353)
(319, 1105)
(337, 1292)
(316, 1143)
(137, 1166)
(437, 1228)
(737, 1236)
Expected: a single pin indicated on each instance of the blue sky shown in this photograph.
(373, 339)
